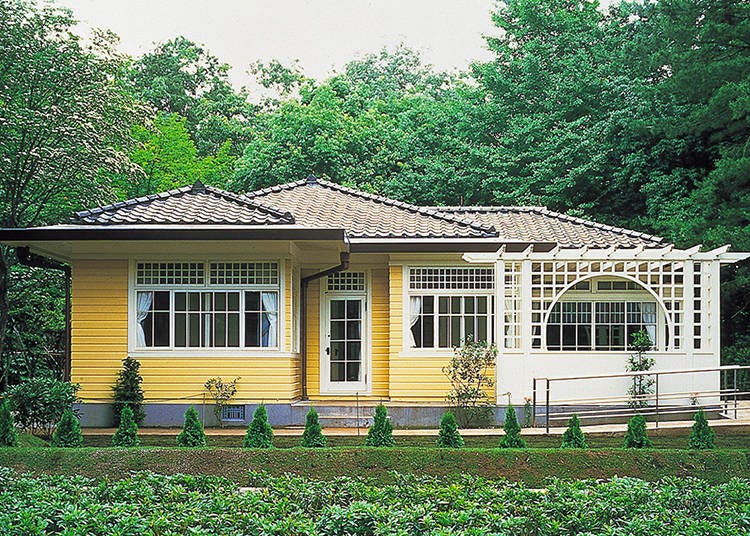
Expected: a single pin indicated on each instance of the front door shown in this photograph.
(344, 353)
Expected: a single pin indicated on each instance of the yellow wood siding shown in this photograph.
(414, 378)
(99, 336)
(100, 342)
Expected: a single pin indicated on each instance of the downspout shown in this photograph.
(343, 265)
(32, 260)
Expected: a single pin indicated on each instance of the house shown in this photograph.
(311, 292)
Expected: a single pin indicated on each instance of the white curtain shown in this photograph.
(415, 307)
(143, 306)
(270, 302)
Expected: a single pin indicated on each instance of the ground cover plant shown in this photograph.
(147, 503)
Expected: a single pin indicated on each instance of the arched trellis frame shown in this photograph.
(684, 282)
(662, 307)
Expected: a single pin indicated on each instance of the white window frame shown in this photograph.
(172, 351)
(594, 296)
(406, 349)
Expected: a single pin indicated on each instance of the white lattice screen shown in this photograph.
(244, 273)
(451, 278)
(170, 273)
(347, 281)
(550, 278)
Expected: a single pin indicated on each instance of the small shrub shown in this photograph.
(39, 403)
(127, 391)
(702, 437)
(380, 433)
(313, 434)
(127, 434)
(8, 435)
(68, 431)
(449, 437)
(222, 392)
(259, 433)
(636, 436)
(512, 438)
(643, 385)
(468, 374)
(192, 434)
(573, 437)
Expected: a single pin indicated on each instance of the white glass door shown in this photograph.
(345, 345)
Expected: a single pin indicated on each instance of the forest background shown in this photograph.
(637, 115)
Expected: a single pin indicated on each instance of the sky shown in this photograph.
(322, 34)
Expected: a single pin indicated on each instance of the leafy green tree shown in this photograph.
(39, 403)
(65, 123)
(702, 436)
(449, 436)
(573, 437)
(128, 392)
(259, 432)
(512, 438)
(313, 434)
(8, 435)
(180, 77)
(67, 434)
(643, 385)
(380, 433)
(637, 435)
(127, 433)
(192, 434)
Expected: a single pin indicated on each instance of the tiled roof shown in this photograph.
(196, 204)
(537, 224)
(320, 203)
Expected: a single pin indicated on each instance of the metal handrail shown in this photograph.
(656, 398)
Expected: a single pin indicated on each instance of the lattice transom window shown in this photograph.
(170, 273)
(347, 282)
(458, 278)
(244, 273)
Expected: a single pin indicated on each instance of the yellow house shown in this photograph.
(312, 293)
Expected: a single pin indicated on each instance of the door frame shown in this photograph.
(328, 388)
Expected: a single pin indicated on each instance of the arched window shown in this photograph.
(603, 314)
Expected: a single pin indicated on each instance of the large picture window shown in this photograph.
(246, 316)
(599, 325)
(448, 306)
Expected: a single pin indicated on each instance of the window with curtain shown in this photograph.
(242, 314)
(450, 305)
(599, 325)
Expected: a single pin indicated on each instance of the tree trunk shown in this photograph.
(4, 310)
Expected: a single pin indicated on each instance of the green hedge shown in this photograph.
(532, 466)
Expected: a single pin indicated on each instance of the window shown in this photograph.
(599, 325)
(234, 412)
(237, 317)
(448, 306)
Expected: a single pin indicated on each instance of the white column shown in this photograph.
(499, 322)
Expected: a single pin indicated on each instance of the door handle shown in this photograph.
(328, 350)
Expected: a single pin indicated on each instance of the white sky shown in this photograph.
(322, 34)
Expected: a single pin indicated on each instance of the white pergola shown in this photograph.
(684, 282)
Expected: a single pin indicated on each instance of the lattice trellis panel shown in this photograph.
(550, 278)
(512, 305)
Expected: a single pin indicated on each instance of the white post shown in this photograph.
(499, 322)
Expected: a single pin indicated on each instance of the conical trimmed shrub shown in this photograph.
(192, 434)
(512, 438)
(127, 433)
(68, 431)
(8, 435)
(380, 433)
(259, 433)
(573, 437)
(702, 437)
(449, 437)
(313, 436)
(127, 391)
(636, 436)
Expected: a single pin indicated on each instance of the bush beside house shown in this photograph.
(259, 433)
(67, 434)
(573, 437)
(127, 391)
(512, 438)
(380, 433)
(702, 436)
(449, 436)
(637, 436)
(313, 436)
(192, 434)
(127, 433)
